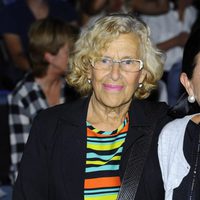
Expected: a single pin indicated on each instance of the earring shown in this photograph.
(191, 99)
(89, 81)
(140, 85)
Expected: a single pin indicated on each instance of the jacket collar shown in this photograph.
(79, 109)
(137, 113)
(75, 139)
(137, 118)
(139, 124)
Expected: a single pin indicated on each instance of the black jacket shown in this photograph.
(53, 163)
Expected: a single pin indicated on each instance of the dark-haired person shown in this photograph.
(50, 41)
(179, 142)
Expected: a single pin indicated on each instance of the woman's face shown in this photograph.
(115, 88)
(60, 60)
(193, 86)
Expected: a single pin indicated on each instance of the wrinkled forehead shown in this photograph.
(126, 45)
(102, 44)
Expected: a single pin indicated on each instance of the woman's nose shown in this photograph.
(115, 71)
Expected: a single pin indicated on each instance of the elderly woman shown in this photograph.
(80, 150)
(179, 142)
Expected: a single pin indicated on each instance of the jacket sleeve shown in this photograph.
(32, 180)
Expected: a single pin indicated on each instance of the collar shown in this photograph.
(137, 112)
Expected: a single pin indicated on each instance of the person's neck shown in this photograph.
(51, 88)
(196, 119)
(48, 82)
(106, 118)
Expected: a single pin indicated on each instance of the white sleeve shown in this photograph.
(174, 166)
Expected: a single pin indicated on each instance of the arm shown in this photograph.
(19, 124)
(182, 5)
(32, 180)
(150, 7)
(15, 50)
(178, 40)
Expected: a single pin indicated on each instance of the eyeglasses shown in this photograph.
(127, 65)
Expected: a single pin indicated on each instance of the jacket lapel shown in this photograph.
(139, 129)
(139, 125)
(73, 130)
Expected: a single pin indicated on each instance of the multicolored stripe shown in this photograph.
(103, 157)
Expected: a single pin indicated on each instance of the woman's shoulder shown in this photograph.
(47, 121)
(152, 107)
(23, 89)
(67, 109)
(151, 112)
(175, 128)
(178, 121)
(157, 104)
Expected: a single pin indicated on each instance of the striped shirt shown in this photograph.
(104, 149)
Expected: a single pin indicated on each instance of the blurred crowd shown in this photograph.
(170, 22)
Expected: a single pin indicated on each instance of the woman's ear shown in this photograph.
(89, 73)
(186, 83)
(48, 57)
(142, 75)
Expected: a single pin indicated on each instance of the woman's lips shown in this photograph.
(112, 87)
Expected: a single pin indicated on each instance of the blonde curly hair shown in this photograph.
(97, 38)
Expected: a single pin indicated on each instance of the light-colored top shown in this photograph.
(174, 166)
(166, 26)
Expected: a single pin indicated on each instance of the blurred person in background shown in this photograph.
(16, 19)
(170, 31)
(90, 11)
(50, 41)
(153, 7)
